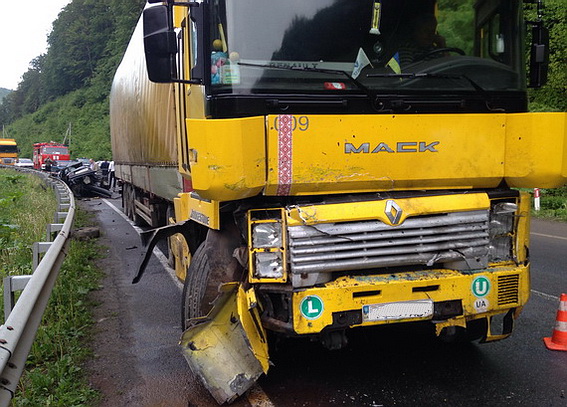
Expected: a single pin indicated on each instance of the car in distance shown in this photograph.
(24, 163)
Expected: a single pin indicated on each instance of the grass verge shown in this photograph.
(553, 204)
(53, 375)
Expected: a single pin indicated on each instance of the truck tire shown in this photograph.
(212, 265)
(126, 200)
(195, 286)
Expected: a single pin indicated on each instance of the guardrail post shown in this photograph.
(19, 330)
(51, 228)
(37, 249)
(60, 217)
(11, 285)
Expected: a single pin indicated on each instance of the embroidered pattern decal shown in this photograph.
(284, 154)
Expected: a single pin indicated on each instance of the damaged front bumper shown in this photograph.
(228, 349)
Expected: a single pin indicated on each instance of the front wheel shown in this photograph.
(194, 304)
(211, 266)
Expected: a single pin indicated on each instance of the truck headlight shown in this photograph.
(269, 265)
(266, 235)
(502, 220)
(267, 246)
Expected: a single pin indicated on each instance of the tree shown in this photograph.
(76, 44)
(553, 96)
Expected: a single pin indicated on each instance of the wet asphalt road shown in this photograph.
(393, 366)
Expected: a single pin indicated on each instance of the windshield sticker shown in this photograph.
(361, 62)
(375, 27)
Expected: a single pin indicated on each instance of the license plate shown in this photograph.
(397, 310)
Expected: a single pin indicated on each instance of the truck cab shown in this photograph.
(8, 151)
(47, 154)
(344, 164)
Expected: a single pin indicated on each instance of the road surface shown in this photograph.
(139, 363)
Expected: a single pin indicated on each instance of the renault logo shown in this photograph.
(393, 212)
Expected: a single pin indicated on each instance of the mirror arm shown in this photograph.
(539, 54)
(174, 3)
(188, 82)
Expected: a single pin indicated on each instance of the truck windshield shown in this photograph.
(8, 148)
(55, 150)
(298, 46)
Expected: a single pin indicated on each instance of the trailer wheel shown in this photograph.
(129, 205)
(195, 286)
(126, 200)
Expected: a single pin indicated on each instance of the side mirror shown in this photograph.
(160, 45)
(199, 16)
(539, 55)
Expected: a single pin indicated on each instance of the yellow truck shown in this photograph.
(8, 151)
(327, 165)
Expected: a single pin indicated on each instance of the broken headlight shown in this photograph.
(266, 235)
(502, 221)
(267, 246)
(269, 265)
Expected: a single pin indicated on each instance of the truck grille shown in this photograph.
(508, 287)
(460, 237)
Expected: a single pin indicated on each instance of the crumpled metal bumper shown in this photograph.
(228, 349)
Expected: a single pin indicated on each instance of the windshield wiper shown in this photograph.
(357, 83)
(479, 89)
(410, 75)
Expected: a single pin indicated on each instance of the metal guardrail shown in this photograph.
(24, 317)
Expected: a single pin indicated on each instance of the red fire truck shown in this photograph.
(51, 150)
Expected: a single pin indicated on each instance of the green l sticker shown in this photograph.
(311, 307)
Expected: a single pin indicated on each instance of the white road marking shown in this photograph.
(163, 260)
(119, 212)
(156, 252)
(551, 236)
(546, 296)
(256, 396)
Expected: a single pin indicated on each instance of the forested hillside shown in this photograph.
(3, 93)
(66, 90)
(68, 87)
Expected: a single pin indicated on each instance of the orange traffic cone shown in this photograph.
(558, 340)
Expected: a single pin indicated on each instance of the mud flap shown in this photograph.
(228, 349)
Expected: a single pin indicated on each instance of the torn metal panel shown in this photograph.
(228, 349)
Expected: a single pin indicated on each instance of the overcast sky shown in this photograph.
(24, 26)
